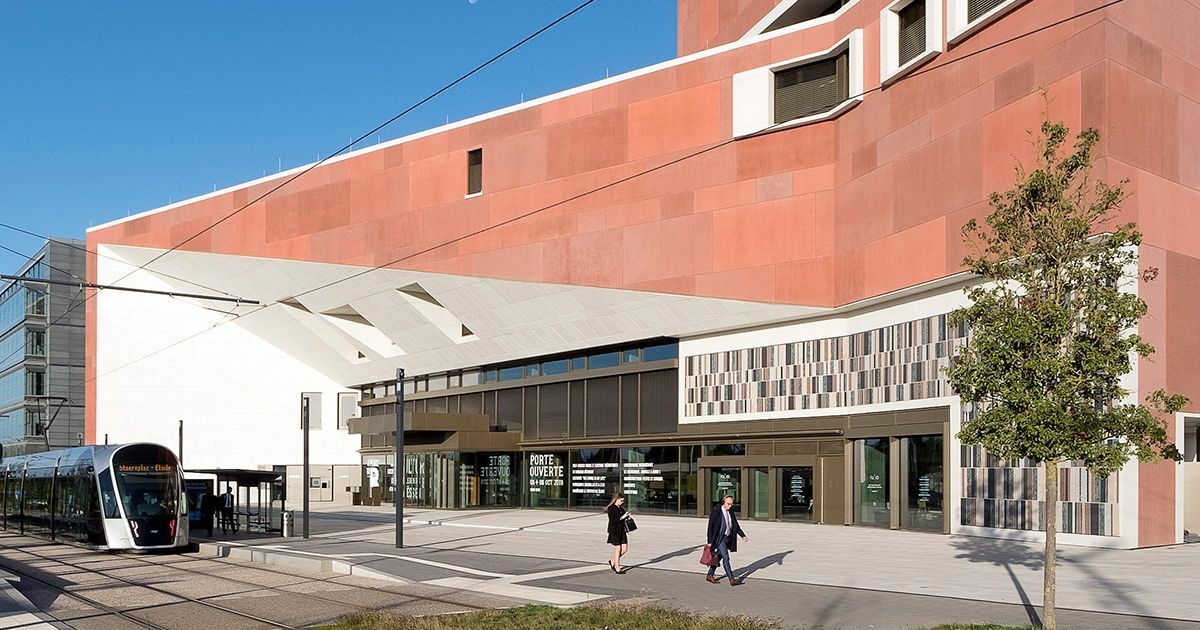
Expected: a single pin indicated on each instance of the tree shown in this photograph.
(1053, 329)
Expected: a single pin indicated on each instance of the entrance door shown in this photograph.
(796, 494)
(760, 493)
(872, 481)
(726, 481)
(832, 499)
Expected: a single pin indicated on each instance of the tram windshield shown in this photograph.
(147, 481)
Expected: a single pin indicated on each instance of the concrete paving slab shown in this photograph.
(1146, 582)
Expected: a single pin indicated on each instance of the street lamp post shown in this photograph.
(398, 474)
(304, 411)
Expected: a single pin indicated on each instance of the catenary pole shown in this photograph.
(398, 470)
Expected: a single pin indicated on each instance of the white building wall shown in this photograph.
(160, 360)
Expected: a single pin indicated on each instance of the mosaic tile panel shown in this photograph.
(894, 363)
(1008, 494)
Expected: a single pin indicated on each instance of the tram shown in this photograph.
(122, 496)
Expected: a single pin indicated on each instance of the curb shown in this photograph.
(274, 557)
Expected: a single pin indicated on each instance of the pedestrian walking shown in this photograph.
(723, 532)
(618, 534)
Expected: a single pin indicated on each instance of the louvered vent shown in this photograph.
(474, 171)
(912, 31)
(976, 8)
(812, 88)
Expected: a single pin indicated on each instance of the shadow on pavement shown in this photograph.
(775, 558)
(667, 556)
(1004, 554)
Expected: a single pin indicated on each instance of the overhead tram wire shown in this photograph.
(84, 284)
(614, 183)
(689, 156)
(367, 135)
(380, 127)
(98, 254)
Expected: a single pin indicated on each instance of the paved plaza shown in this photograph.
(806, 575)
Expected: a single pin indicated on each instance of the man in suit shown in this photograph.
(227, 502)
(723, 532)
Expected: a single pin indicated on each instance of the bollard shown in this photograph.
(287, 526)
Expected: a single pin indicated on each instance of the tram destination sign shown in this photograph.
(145, 468)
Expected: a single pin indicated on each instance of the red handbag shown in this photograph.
(706, 556)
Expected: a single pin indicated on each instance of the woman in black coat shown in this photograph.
(723, 519)
(618, 537)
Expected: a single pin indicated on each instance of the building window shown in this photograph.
(804, 10)
(474, 171)
(347, 408)
(662, 352)
(811, 88)
(799, 91)
(550, 368)
(35, 343)
(911, 31)
(605, 360)
(965, 17)
(35, 383)
(977, 8)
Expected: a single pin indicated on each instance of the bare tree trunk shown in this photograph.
(1049, 567)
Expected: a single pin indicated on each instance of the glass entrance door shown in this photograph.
(726, 481)
(796, 494)
(761, 492)
(872, 483)
(923, 488)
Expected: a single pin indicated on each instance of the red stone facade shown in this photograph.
(824, 214)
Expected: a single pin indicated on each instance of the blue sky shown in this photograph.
(112, 108)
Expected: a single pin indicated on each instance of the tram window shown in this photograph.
(108, 498)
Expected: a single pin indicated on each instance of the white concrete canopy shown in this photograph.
(357, 325)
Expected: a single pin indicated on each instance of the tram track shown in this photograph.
(252, 586)
(127, 613)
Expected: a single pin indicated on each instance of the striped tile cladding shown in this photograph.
(1008, 494)
(894, 363)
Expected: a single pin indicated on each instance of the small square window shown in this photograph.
(474, 171)
(579, 363)
(631, 356)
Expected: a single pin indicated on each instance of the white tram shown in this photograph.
(125, 496)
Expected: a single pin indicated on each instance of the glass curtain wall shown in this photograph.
(489, 480)
(547, 475)
(871, 480)
(651, 479)
(656, 479)
(595, 476)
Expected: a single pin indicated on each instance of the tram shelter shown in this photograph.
(256, 495)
